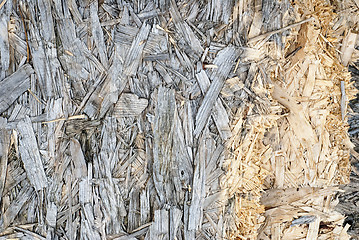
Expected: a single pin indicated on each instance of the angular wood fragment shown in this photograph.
(257, 20)
(297, 119)
(4, 150)
(125, 34)
(166, 223)
(134, 55)
(219, 113)
(225, 60)
(267, 35)
(219, 10)
(198, 194)
(185, 30)
(4, 39)
(42, 61)
(133, 211)
(175, 221)
(80, 169)
(343, 100)
(347, 48)
(87, 226)
(47, 24)
(51, 214)
(156, 57)
(114, 83)
(313, 230)
(163, 72)
(97, 33)
(278, 197)
(15, 207)
(145, 206)
(303, 220)
(191, 39)
(129, 105)
(14, 85)
(163, 131)
(182, 160)
(30, 155)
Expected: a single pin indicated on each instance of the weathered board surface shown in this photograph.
(164, 119)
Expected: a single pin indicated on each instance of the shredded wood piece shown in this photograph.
(269, 34)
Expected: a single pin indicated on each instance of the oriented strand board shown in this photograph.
(174, 119)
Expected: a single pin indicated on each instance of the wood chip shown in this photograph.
(15, 85)
(30, 155)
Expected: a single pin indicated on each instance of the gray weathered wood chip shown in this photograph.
(163, 131)
(134, 56)
(225, 60)
(219, 113)
(30, 155)
(14, 85)
(129, 105)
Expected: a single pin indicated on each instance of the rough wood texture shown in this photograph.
(30, 155)
(174, 119)
(15, 85)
